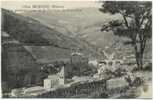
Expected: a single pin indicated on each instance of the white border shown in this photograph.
(65, 1)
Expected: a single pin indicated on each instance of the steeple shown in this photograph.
(62, 76)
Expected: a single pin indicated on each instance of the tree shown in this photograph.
(136, 23)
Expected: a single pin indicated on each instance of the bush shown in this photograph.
(137, 82)
(107, 74)
(133, 80)
(119, 72)
(147, 67)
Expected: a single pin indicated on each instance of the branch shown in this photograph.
(141, 22)
(143, 45)
(143, 18)
(126, 22)
(124, 17)
(147, 26)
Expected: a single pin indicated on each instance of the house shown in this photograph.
(51, 81)
(55, 80)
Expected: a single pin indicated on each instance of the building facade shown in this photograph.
(55, 80)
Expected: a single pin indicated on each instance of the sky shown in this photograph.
(51, 4)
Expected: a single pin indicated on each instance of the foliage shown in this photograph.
(135, 24)
(119, 72)
(148, 67)
(80, 70)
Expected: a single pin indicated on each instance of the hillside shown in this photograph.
(27, 45)
(84, 23)
(19, 67)
(43, 42)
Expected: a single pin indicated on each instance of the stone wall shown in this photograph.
(79, 90)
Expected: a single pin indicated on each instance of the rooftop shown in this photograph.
(52, 76)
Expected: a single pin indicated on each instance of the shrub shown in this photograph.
(147, 67)
(119, 72)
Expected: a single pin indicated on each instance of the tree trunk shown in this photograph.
(139, 45)
(139, 60)
(139, 50)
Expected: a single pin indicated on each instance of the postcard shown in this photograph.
(76, 49)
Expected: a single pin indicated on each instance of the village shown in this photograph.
(104, 67)
(113, 71)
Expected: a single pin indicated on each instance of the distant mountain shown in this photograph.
(84, 23)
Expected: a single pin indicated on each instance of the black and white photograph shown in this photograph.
(88, 49)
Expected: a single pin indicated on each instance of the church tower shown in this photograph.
(62, 76)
